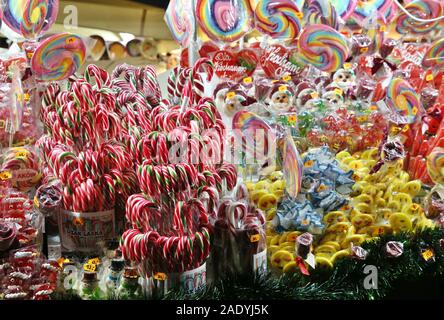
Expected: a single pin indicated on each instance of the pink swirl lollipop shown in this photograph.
(225, 20)
(29, 18)
(178, 17)
(323, 47)
(322, 12)
(423, 9)
(292, 167)
(434, 57)
(58, 57)
(403, 100)
(278, 19)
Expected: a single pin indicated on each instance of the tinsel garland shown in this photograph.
(346, 280)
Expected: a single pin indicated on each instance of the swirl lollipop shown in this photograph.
(292, 167)
(434, 57)
(323, 47)
(423, 9)
(280, 20)
(177, 17)
(403, 100)
(29, 18)
(344, 8)
(225, 20)
(366, 8)
(58, 57)
(322, 12)
(435, 165)
(254, 134)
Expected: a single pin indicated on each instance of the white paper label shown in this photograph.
(260, 262)
(194, 280)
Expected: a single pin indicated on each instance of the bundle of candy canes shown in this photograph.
(180, 171)
(83, 146)
(239, 234)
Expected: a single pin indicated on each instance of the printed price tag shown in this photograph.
(5, 175)
(314, 95)
(364, 50)
(89, 267)
(160, 276)
(248, 80)
(255, 238)
(382, 29)
(347, 66)
(231, 94)
(338, 91)
(283, 88)
(36, 202)
(428, 254)
(286, 78)
(95, 261)
(429, 77)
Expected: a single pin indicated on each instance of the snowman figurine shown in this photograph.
(345, 79)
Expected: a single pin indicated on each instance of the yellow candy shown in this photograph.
(326, 249)
(275, 240)
(340, 227)
(256, 195)
(322, 262)
(363, 198)
(414, 209)
(412, 188)
(394, 205)
(356, 239)
(343, 154)
(277, 186)
(339, 255)
(370, 153)
(334, 217)
(272, 249)
(287, 244)
(276, 175)
(347, 160)
(404, 200)
(333, 244)
(292, 236)
(283, 238)
(400, 222)
(363, 208)
(356, 164)
(262, 185)
(271, 213)
(267, 201)
(362, 220)
(291, 267)
(280, 258)
(289, 248)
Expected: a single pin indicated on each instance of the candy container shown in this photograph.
(224, 20)
(422, 9)
(178, 17)
(89, 288)
(278, 19)
(114, 277)
(323, 47)
(129, 288)
(29, 18)
(58, 57)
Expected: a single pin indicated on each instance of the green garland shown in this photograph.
(346, 280)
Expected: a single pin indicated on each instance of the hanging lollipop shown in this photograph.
(292, 167)
(322, 12)
(29, 18)
(366, 8)
(178, 17)
(278, 19)
(344, 8)
(434, 57)
(422, 9)
(225, 20)
(403, 101)
(58, 57)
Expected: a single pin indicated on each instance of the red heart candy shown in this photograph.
(277, 61)
(228, 65)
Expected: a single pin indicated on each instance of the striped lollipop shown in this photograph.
(366, 8)
(344, 8)
(280, 20)
(323, 47)
(423, 9)
(322, 12)
(178, 18)
(434, 57)
(292, 167)
(435, 165)
(29, 18)
(403, 100)
(58, 57)
(225, 20)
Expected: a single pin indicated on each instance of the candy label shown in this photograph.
(5, 175)
(260, 262)
(314, 95)
(255, 238)
(95, 261)
(338, 91)
(347, 66)
(286, 78)
(229, 66)
(277, 61)
(160, 276)
(429, 77)
(248, 80)
(428, 254)
(231, 95)
(194, 280)
(90, 267)
(283, 88)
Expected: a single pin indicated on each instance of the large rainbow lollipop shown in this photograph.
(292, 167)
(29, 18)
(344, 8)
(435, 165)
(365, 8)
(225, 20)
(58, 57)
(323, 47)
(403, 100)
(322, 12)
(423, 9)
(278, 19)
(434, 57)
(178, 17)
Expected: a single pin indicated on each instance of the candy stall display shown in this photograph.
(296, 143)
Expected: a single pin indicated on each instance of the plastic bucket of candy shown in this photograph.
(189, 282)
(239, 242)
(84, 231)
